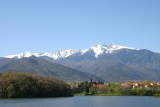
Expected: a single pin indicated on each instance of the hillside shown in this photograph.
(40, 66)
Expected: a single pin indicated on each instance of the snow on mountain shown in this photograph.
(104, 49)
(23, 55)
(60, 54)
(97, 49)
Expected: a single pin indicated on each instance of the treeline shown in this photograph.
(129, 88)
(23, 85)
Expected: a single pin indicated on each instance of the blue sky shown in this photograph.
(51, 25)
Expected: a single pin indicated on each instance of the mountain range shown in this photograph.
(100, 62)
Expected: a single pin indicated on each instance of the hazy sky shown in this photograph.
(51, 25)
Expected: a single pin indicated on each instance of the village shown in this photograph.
(142, 88)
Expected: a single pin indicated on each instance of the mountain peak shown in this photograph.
(101, 49)
(111, 46)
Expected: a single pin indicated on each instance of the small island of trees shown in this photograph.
(23, 85)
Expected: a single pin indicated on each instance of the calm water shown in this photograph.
(84, 101)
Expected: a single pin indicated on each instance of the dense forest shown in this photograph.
(23, 85)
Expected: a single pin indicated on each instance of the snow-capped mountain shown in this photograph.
(107, 62)
(97, 50)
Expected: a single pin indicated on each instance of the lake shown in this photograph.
(84, 101)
